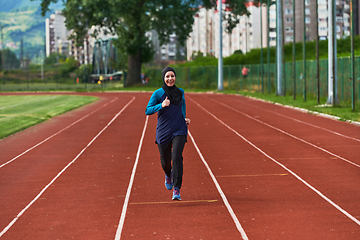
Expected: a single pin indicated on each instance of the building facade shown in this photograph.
(56, 33)
(247, 34)
(172, 51)
(342, 19)
(205, 37)
(57, 40)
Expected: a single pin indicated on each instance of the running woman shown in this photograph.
(171, 129)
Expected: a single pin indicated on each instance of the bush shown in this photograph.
(55, 58)
(84, 72)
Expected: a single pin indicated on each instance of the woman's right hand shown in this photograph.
(165, 103)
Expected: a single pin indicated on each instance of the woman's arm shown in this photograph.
(187, 120)
(153, 105)
(183, 108)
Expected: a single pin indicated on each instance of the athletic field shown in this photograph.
(252, 170)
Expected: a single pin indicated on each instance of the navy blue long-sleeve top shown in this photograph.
(171, 119)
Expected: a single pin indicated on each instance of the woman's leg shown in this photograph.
(165, 157)
(178, 143)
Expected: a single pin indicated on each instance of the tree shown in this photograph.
(238, 52)
(132, 19)
(196, 55)
(10, 59)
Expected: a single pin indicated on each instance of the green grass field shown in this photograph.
(343, 111)
(20, 112)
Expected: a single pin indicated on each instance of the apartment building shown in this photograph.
(205, 36)
(83, 54)
(247, 34)
(56, 33)
(342, 19)
(57, 39)
(171, 51)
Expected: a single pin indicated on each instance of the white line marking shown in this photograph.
(222, 194)
(297, 120)
(57, 133)
(62, 171)
(286, 133)
(128, 192)
(284, 167)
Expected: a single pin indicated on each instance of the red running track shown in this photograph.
(252, 170)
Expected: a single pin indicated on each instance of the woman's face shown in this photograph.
(169, 78)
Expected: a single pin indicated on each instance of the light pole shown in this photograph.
(42, 64)
(332, 53)
(262, 58)
(304, 50)
(317, 52)
(220, 59)
(2, 48)
(268, 46)
(279, 47)
(352, 76)
(294, 49)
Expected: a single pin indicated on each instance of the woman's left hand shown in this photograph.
(187, 120)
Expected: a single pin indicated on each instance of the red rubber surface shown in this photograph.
(285, 174)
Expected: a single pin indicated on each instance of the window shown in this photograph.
(288, 11)
(339, 19)
(289, 29)
(289, 38)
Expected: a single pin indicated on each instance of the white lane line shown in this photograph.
(222, 194)
(128, 192)
(297, 120)
(286, 133)
(48, 138)
(62, 171)
(284, 167)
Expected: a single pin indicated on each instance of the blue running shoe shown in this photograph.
(168, 182)
(176, 194)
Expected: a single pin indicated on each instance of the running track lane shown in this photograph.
(269, 203)
(151, 214)
(335, 178)
(81, 201)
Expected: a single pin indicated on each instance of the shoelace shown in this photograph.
(176, 192)
(168, 179)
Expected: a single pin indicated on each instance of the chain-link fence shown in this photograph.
(199, 78)
(207, 78)
(53, 79)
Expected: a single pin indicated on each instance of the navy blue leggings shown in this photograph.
(166, 155)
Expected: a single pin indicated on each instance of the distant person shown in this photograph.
(245, 71)
(143, 78)
(171, 130)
